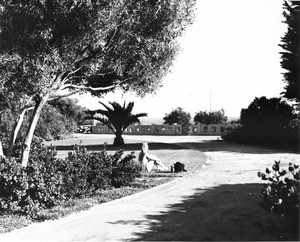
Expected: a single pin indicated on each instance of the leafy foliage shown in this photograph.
(92, 43)
(47, 181)
(263, 113)
(290, 56)
(86, 172)
(59, 119)
(117, 118)
(281, 193)
(27, 190)
(6, 122)
(179, 116)
(69, 108)
(54, 125)
(265, 121)
(214, 117)
(88, 45)
(124, 170)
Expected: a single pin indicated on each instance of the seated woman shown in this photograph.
(147, 160)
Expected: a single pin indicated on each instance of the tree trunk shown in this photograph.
(118, 141)
(1, 150)
(14, 133)
(31, 128)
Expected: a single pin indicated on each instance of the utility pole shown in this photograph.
(210, 100)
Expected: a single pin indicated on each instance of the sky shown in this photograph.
(229, 56)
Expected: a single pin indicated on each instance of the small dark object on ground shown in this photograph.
(178, 167)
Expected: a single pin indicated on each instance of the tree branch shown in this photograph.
(89, 88)
(53, 98)
(70, 73)
(95, 88)
(64, 96)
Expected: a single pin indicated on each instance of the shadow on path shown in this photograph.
(127, 147)
(219, 145)
(202, 145)
(205, 217)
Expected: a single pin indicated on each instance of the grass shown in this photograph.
(168, 153)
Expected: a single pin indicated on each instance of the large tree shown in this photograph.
(265, 114)
(291, 51)
(179, 116)
(266, 121)
(213, 117)
(117, 118)
(89, 45)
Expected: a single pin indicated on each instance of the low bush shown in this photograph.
(281, 194)
(85, 172)
(27, 190)
(260, 136)
(47, 180)
(124, 171)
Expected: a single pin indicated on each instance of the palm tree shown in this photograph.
(117, 118)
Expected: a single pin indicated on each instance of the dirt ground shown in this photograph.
(219, 202)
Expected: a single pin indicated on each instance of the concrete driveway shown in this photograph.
(218, 202)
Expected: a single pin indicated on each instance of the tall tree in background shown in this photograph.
(291, 54)
(87, 46)
(117, 118)
(179, 116)
(214, 117)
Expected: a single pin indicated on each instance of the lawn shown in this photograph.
(168, 153)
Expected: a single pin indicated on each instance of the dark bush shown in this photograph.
(265, 121)
(281, 193)
(27, 190)
(54, 125)
(85, 172)
(48, 180)
(124, 170)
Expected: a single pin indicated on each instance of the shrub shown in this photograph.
(265, 121)
(281, 194)
(85, 172)
(27, 190)
(124, 170)
(47, 180)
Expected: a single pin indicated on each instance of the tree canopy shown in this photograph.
(179, 116)
(51, 45)
(92, 44)
(266, 122)
(267, 114)
(290, 56)
(214, 117)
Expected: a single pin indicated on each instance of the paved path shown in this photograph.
(218, 202)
